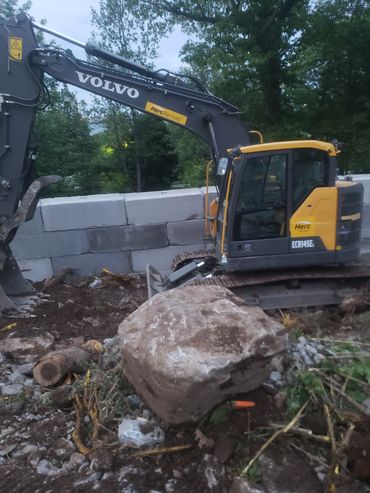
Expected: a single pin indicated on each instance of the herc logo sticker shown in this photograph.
(155, 109)
(15, 48)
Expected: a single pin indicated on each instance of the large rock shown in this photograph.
(188, 349)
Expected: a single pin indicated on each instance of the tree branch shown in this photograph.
(179, 11)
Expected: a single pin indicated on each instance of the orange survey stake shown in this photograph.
(242, 404)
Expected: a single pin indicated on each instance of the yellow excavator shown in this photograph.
(280, 216)
(284, 229)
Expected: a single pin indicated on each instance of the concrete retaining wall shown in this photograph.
(365, 180)
(122, 232)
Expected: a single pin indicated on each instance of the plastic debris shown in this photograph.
(140, 432)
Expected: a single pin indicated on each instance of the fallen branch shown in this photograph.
(330, 428)
(341, 341)
(338, 453)
(304, 432)
(163, 450)
(286, 428)
(316, 458)
(81, 447)
(349, 356)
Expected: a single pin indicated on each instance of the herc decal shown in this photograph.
(166, 113)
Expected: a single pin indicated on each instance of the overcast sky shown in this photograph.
(73, 18)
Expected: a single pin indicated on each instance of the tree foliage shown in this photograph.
(295, 68)
(117, 30)
(65, 146)
(10, 8)
(334, 73)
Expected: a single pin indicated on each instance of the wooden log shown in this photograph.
(54, 366)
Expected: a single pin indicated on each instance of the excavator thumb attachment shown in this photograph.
(12, 282)
(187, 274)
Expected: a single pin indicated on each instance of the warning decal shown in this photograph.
(15, 48)
(165, 113)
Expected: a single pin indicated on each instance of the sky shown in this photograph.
(73, 18)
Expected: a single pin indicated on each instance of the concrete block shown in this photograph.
(83, 212)
(365, 180)
(32, 226)
(56, 243)
(212, 194)
(93, 263)
(365, 248)
(161, 258)
(185, 232)
(366, 221)
(36, 269)
(166, 206)
(117, 238)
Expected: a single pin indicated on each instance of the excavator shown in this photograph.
(282, 228)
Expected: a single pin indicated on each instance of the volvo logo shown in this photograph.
(107, 85)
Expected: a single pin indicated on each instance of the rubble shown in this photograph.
(27, 349)
(188, 349)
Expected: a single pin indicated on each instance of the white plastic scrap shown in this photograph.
(140, 432)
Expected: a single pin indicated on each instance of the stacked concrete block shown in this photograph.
(121, 232)
(90, 263)
(165, 206)
(36, 269)
(27, 248)
(66, 213)
(365, 180)
(181, 211)
(116, 238)
(57, 236)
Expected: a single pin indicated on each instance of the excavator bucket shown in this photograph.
(12, 282)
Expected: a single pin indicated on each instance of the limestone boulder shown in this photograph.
(188, 349)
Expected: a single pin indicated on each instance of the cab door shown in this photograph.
(260, 205)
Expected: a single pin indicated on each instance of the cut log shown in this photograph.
(54, 366)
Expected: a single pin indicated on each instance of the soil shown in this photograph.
(77, 312)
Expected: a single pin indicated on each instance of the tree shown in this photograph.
(334, 69)
(118, 32)
(156, 153)
(65, 146)
(244, 46)
(10, 8)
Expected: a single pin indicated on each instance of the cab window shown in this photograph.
(261, 203)
(310, 170)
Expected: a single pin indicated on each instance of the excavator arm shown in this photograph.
(177, 99)
(210, 118)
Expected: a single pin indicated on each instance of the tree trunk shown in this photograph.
(137, 157)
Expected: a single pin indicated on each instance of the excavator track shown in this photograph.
(285, 288)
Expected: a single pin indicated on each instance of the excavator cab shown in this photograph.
(280, 206)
